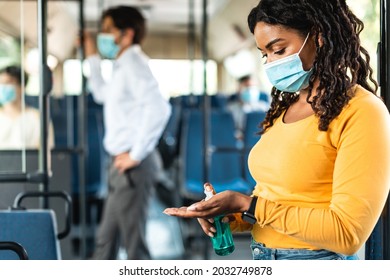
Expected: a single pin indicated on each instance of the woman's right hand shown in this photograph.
(207, 226)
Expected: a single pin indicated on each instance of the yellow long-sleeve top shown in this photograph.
(323, 189)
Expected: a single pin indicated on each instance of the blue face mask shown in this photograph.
(287, 74)
(106, 45)
(7, 94)
(249, 95)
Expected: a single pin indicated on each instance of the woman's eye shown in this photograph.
(280, 52)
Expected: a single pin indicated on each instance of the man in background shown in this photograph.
(135, 115)
(248, 98)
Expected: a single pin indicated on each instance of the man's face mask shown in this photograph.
(106, 45)
(7, 93)
(287, 74)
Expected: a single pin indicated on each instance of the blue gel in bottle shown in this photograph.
(222, 241)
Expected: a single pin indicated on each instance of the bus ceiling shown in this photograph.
(168, 25)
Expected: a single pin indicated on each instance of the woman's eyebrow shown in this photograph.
(274, 41)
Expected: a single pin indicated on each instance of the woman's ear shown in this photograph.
(320, 40)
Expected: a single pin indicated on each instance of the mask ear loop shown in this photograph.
(281, 95)
(304, 43)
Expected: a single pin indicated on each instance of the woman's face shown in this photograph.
(276, 42)
(6, 79)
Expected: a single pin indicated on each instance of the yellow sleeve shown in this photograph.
(361, 183)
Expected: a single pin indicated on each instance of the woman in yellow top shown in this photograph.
(322, 165)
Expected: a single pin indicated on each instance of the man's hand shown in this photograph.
(123, 161)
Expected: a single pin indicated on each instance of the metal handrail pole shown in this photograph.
(45, 87)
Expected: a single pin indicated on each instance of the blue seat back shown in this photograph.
(96, 155)
(35, 230)
(225, 171)
(251, 136)
(192, 101)
(169, 141)
(253, 120)
(61, 122)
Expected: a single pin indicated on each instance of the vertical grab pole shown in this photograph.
(82, 132)
(384, 83)
(206, 101)
(45, 88)
(378, 245)
(191, 42)
(206, 108)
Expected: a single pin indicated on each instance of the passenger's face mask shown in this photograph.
(7, 93)
(287, 74)
(106, 45)
(249, 95)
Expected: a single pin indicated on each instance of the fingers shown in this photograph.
(123, 162)
(193, 207)
(199, 206)
(207, 227)
(183, 212)
(119, 166)
(178, 212)
(121, 170)
(228, 219)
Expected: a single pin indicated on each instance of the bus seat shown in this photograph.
(169, 141)
(95, 155)
(218, 101)
(59, 118)
(192, 101)
(35, 230)
(252, 122)
(31, 100)
(225, 165)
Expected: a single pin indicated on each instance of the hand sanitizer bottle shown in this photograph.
(222, 241)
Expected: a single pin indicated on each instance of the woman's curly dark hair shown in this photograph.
(340, 63)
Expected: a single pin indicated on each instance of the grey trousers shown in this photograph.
(125, 211)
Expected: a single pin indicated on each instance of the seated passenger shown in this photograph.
(20, 125)
(248, 98)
